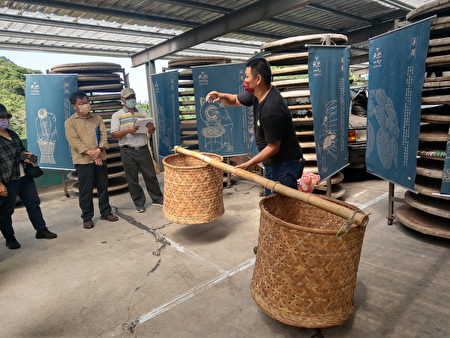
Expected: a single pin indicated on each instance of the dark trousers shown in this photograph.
(26, 190)
(88, 175)
(287, 173)
(135, 161)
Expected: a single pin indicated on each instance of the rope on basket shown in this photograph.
(345, 226)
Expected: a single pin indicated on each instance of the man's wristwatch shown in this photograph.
(101, 148)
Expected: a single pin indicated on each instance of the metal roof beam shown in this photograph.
(198, 5)
(109, 11)
(225, 10)
(398, 4)
(259, 34)
(72, 39)
(103, 52)
(82, 26)
(130, 15)
(340, 13)
(302, 25)
(366, 33)
(256, 12)
(112, 30)
(60, 49)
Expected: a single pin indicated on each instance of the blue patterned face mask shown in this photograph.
(4, 123)
(131, 103)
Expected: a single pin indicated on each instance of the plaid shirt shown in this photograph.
(10, 151)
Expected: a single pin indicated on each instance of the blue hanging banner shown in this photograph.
(445, 186)
(328, 69)
(47, 108)
(222, 130)
(167, 112)
(396, 75)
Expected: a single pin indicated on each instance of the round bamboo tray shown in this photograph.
(304, 276)
(193, 190)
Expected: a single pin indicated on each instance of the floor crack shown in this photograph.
(155, 267)
(158, 237)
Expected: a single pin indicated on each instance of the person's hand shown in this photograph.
(213, 97)
(98, 161)
(244, 166)
(28, 154)
(151, 128)
(94, 153)
(3, 190)
(132, 130)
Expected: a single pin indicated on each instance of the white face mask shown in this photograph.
(131, 103)
(84, 108)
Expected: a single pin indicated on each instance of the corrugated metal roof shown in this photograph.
(125, 27)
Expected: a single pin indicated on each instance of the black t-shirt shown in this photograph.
(273, 122)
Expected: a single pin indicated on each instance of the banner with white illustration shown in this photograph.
(328, 71)
(396, 75)
(47, 108)
(222, 129)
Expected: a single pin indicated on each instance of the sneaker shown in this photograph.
(110, 218)
(88, 224)
(12, 243)
(45, 234)
(140, 210)
(158, 203)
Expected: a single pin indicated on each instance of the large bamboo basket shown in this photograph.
(193, 190)
(304, 276)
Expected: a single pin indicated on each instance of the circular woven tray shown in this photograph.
(430, 205)
(439, 7)
(187, 62)
(193, 190)
(423, 222)
(287, 58)
(291, 43)
(304, 276)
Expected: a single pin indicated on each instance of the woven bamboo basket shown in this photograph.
(193, 190)
(304, 275)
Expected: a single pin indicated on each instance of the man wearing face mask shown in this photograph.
(278, 146)
(87, 138)
(134, 151)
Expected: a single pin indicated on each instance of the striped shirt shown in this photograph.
(124, 119)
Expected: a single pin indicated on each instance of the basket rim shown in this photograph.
(299, 227)
(193, 167)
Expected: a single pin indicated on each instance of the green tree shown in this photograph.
(12, 92)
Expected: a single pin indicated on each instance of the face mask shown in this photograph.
(247, 87)
(84, 108)
(131, 103)
(4, 123)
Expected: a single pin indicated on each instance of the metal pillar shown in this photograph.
(149, 70)
(391, 200)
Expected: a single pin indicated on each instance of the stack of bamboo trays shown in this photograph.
(428, 212)
(102, 82)
(188, 119)
(289, 60)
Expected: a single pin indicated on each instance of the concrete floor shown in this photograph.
(144, 276)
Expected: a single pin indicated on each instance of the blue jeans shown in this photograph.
(287, 173)
(26, 190)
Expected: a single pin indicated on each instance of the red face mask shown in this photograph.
(247, 87)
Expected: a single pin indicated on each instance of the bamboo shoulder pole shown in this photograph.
(358, 217)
